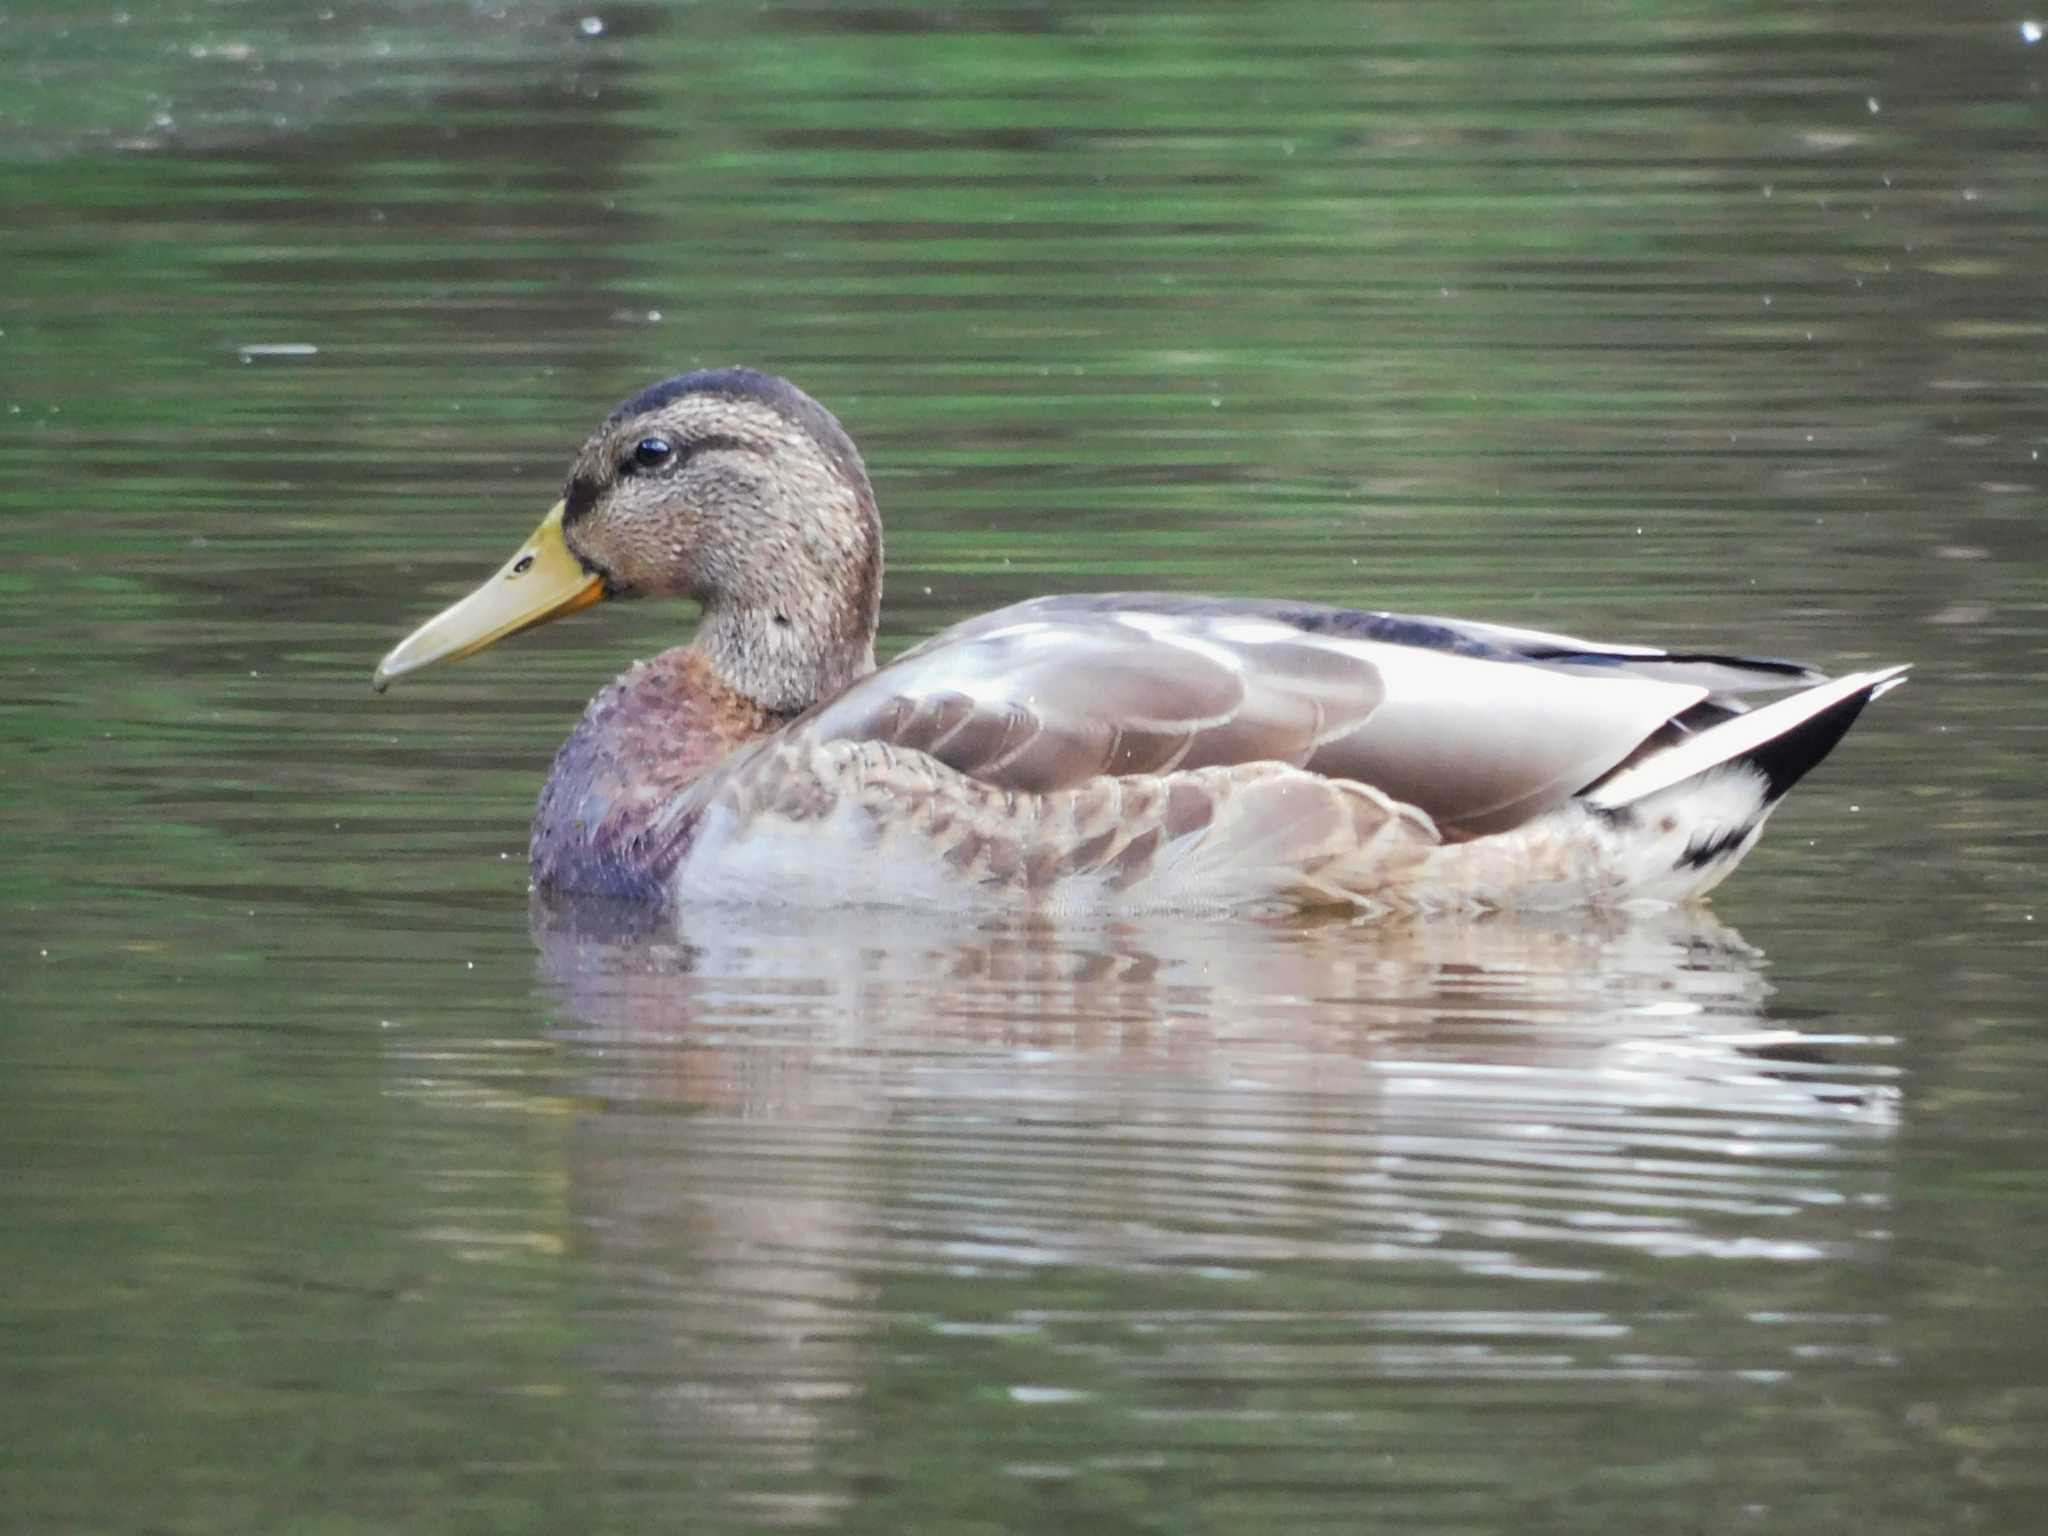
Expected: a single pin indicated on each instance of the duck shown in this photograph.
(1089, 753)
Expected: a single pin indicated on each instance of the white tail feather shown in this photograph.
(1735, 738)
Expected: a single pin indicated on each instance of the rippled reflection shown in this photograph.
(1212, 1159)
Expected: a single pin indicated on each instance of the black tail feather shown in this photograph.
(1785, 760)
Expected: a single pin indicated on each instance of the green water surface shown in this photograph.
(342, 1192)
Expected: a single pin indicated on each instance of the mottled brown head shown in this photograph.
(739, 490)
(728, 486)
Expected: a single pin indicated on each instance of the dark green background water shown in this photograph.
(336, 1196)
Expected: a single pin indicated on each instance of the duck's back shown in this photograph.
(1480, 726)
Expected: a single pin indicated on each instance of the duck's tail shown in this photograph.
(1781, 742)
(1677, 821)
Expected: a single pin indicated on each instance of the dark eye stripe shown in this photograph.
(665, 453)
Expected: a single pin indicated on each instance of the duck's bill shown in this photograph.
(543, 581)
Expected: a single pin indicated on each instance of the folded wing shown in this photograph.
(1481, 726)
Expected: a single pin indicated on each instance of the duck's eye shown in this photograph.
(653, 452)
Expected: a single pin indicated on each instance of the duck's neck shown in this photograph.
(605, 824)
(786, 655)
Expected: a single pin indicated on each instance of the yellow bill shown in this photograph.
(543, 581)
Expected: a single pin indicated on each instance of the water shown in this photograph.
(345, 1192)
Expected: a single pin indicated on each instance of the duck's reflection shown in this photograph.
(787, 1016)
(807, 1123)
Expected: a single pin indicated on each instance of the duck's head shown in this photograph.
(731, 487)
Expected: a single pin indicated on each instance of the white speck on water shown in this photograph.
(1769, 190)
(1871, 102)
(591, 26)
(2030, 32)
(1046, 1395)
(45, 954)
(927, 591)
(469, 965)
(250, 350)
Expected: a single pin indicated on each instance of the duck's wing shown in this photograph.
(1481, 726)
(1721, 673)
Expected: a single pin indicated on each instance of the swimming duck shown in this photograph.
(1083, 753)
